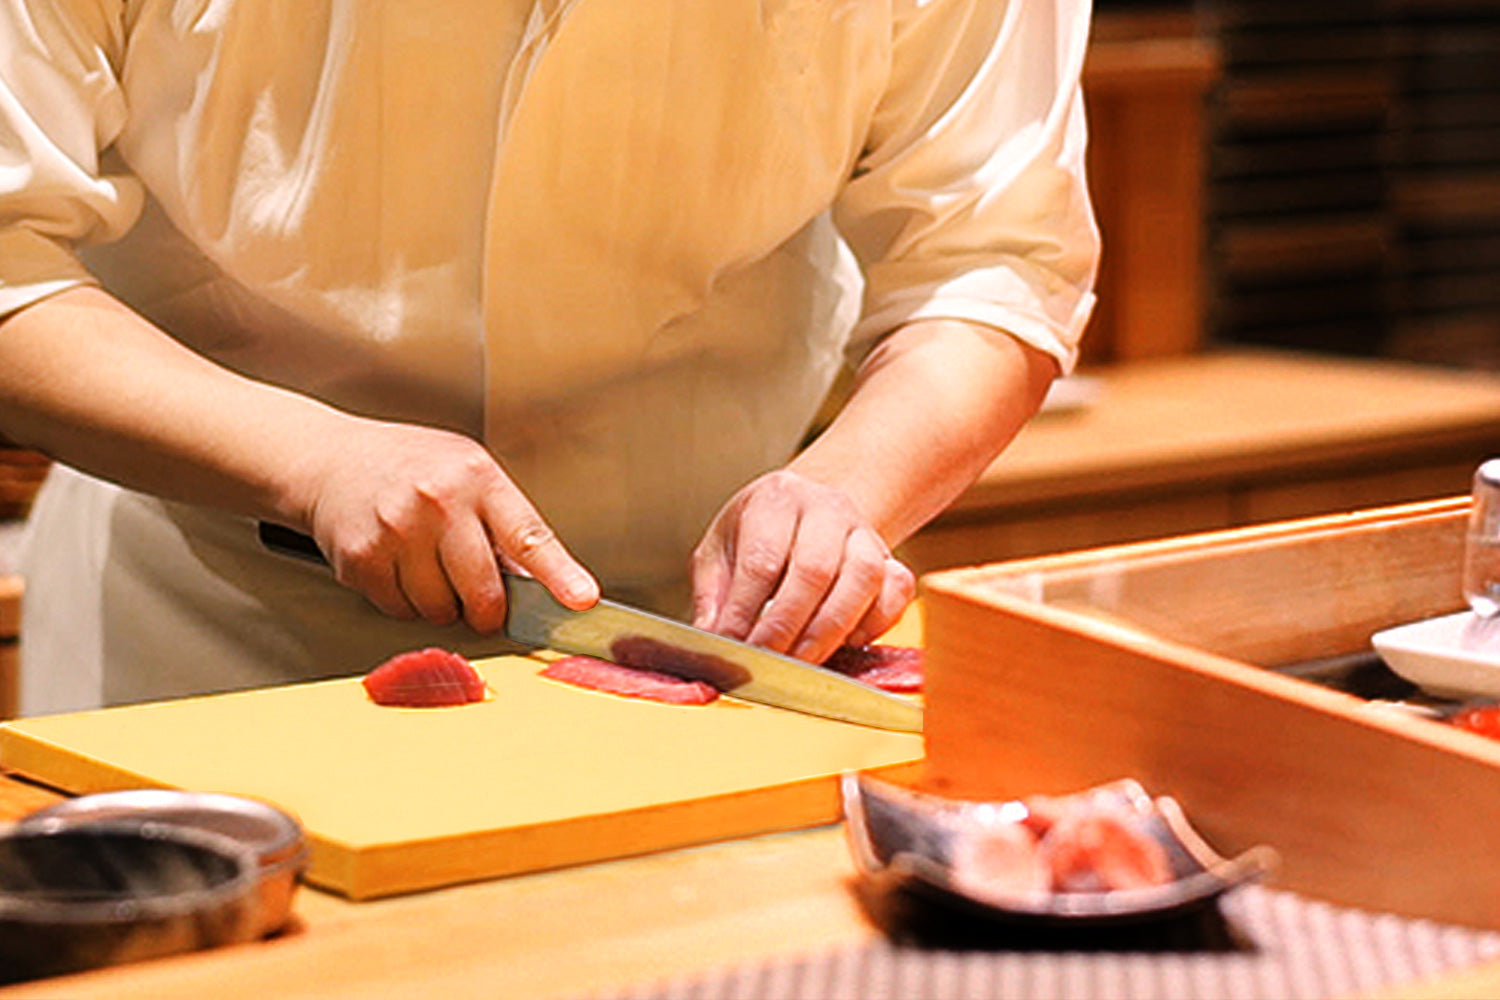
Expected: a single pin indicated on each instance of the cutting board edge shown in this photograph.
(374, 871)
(382, 870)
(66, 770)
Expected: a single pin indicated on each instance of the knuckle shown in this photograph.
(762, 565)
(775, 632)
(704, 556)
(867, 569)
(778, 489)
(528, 538)
(395, 523)
(780, 480)
(906, 587)
(734, 623)
(475, 460)
(815, 572)
(900, 578)
(362, 561)
(429, 491)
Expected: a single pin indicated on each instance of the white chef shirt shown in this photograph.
(628, 243)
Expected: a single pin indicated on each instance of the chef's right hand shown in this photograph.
(421, 520)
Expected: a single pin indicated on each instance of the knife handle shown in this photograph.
(289, 542)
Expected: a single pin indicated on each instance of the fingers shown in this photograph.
(898, 588)
(456, 573)
(526, 543)
(423, 569)
(792, 566)
(712, 573)
(766, 530)
(833, 574)
(421, 522)
(468, 562)
(848, 601)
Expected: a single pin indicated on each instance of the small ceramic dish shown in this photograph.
(1453, 656)
(919, 842)
(275, 837)
(79, 899)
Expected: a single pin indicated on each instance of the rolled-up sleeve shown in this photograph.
(60, 105)
(970, 199)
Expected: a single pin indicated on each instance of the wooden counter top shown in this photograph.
(1218, 440)
(559, 935)
(556, 934)
(1237, 416)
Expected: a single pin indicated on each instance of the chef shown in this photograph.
(550, 285)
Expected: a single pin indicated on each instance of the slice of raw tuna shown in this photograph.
(890, 668)
(1093, 849)
(425, 678)
(631, 682)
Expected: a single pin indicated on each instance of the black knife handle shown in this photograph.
(289, 542)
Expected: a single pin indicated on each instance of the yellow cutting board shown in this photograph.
(538, 775)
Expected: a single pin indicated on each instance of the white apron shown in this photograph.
(628, 243)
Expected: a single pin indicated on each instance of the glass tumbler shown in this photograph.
(1482, 544)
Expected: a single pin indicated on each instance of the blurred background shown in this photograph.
(1350, 166)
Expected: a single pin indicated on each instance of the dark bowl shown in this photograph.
(82, 898)
(274, 836)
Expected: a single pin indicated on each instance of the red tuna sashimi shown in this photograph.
(425, 678)
(1099, 850)
(631, 682)
(890, 668)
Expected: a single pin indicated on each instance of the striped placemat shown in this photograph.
(1258, 944)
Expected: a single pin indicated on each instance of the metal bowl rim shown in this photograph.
(24, 909)
(176, 807)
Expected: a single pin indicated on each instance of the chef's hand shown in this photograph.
(790, 564)
(421, 521)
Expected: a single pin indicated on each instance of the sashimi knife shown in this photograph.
(636, 638)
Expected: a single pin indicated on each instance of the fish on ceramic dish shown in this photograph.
(1106, 854)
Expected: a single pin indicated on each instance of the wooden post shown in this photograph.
(10, 636)
(1145, 84)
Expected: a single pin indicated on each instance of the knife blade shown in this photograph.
(637, 638)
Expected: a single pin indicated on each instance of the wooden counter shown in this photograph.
(560, 935)
(557, 934)
(1218, 440)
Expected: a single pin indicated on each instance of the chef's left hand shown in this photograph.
(789, 563)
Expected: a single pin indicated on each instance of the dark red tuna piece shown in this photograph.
(890, 668)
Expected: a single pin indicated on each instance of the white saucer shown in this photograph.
(1454, 656)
